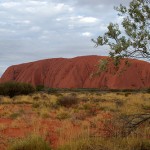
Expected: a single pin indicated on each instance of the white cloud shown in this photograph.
(60, 7)
(49, 8)
(82, 19)
(25, 22)
(36, 7)
(71, 26)
(88, 20)
(35, 2)
(103, 27)
(59, 19)
(87, 34)
(35, 28)
(9, 5)
(7, 31)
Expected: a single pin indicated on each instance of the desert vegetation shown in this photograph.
(76, 120)
(30, 143)
(15, 88)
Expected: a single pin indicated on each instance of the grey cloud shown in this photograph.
(103, 2)
(97, 2)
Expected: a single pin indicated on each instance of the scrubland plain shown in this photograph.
(76, 121)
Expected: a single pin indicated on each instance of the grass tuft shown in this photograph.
(32, 142)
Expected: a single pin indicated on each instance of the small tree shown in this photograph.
(135, 43)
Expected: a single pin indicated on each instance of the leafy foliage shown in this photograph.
(40, 87)
(14, 88)
(135, 41)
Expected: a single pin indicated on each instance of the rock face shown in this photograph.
(76, 73)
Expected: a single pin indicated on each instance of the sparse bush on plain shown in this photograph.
(81, 115)
(15, 115)
(33, 142)
(119, 103)
(15, 88)
(44, 113)
(148, 90)
(106, 144)
(52, 90)
(40, 87)
(36, 105)
(127, 94)
(81, 121)
(68, 101)
(62, 115)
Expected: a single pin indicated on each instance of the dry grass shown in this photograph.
(96, 122)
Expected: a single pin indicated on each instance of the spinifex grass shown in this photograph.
(93, 120)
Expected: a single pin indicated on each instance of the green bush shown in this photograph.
(40, 88)
(15, 115)
(53, 90)
(148, 90)
(15, 88)
(36, 105)
(33, 142)
(63, 115)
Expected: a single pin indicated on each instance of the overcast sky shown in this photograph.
(37, 29)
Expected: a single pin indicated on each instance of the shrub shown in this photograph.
(99, 143)
(15, 115)
(119, 103)
(81, 115)
(83, 144)
(36, 98)
(62, 115)
(127, 94)
(148, 90)
(36, 105)
(33, 142)
(67, 101)
(52, 90)
(146, 107)
(40, 87)
(44, 113)
(15, 88)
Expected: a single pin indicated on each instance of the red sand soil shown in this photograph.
(47, 128)
(56, 132)
(76, 73)
(19, 129)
